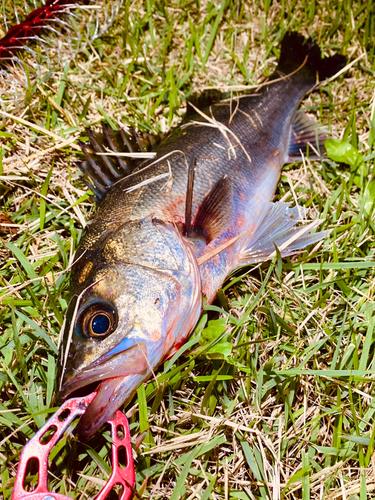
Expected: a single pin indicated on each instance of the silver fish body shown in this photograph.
(139, 278)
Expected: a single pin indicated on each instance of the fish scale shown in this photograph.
(140, 275)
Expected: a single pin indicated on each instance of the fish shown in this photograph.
(169, 230)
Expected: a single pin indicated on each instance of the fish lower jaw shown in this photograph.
(105, 404)
(90, 421)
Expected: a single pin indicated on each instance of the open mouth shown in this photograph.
(113, 378)
(84, 390)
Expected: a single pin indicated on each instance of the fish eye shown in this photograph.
(98, 321)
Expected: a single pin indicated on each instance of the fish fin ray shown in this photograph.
(201, 101)
(299, 52)
(277, 226)
(189, 196)
(101, 170)
(215, 211)
(306, 136)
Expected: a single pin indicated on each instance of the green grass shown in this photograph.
(273, 398)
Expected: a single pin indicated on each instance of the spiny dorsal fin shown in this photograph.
(305, 131)
(102, 171)
(215, 211)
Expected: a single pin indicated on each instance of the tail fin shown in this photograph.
(297, 50)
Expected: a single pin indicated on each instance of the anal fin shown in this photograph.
(277, 226)
(306, 135)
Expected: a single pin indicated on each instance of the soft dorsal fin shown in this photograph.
(305, 131)
(200, 101)
(215, 211)
(101, 170)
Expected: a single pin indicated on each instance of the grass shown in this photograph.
(273, 396)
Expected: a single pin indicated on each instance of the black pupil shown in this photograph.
(100, 324)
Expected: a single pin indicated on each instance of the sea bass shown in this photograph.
(169, 230)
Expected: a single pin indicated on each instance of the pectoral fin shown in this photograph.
(215, 211)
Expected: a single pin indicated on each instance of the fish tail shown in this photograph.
(277, 226)
(299, 52)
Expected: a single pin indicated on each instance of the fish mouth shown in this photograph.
(120, 365)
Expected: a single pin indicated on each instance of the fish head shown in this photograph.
(137, 297)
